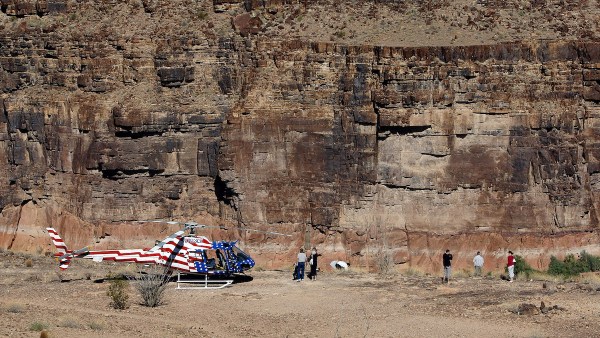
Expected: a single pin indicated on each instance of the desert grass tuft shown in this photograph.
(15, 308)
(544, 276)
(462, 273)
(95, 326)
(38, 326)
(412, 272)
(589, 278)
(70, 323)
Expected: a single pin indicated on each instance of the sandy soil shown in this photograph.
(272, 305)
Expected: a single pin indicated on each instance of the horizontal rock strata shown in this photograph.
(357, 149)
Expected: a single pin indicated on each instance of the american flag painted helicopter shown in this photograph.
(185, 253)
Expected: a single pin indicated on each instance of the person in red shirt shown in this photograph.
(511, 266)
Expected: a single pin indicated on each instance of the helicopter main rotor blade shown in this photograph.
(159, 221)
(164, 241)
(189, 224)
(193, 225)
(263, 231)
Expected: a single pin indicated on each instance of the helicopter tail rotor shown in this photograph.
(65, 259)
(64, 255)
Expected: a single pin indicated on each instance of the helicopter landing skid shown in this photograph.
(202, 283)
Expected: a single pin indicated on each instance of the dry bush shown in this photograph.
(70, 323)
(95, 326)
(118, 293)
(60, 276)
(152, 285)
(385, 261)
(15, 308)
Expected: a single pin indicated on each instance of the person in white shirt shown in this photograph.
(478, 263)
(301, 263)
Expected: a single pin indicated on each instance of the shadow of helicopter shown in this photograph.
(237, 279)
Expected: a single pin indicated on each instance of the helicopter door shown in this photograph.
(195, 259)
(215, 260)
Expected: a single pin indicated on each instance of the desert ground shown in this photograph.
(271, 304)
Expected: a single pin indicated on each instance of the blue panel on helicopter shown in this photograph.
(200, 266)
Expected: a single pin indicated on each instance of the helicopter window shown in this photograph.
(241, 256)
(214, 259)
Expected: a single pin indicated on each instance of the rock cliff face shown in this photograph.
(112, 112)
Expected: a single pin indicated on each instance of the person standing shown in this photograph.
(313, 264)
(478, 263)
(511, 266)
(301, 262)
(447, 260)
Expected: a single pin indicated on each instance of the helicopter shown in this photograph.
(184, 253)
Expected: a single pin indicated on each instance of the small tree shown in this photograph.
(118, 293)
(151, 286)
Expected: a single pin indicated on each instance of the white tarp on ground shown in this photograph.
(339, 265)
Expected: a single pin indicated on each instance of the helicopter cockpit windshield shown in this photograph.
(242, 258)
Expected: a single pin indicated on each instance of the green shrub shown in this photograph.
(522, 268)
(556, 267)
(118, 293)
(38, 326)
(592, 262)
(572, 266)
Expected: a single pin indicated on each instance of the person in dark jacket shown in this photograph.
(313, 263)
(447, 260)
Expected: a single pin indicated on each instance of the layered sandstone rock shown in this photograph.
(358, 149)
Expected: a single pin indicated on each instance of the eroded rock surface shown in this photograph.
(124, 111)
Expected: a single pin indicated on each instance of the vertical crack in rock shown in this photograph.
(17, 225)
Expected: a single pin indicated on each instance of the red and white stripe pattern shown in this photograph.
(64, 263)
(60, 245)
(173, 252)
(133, 255)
